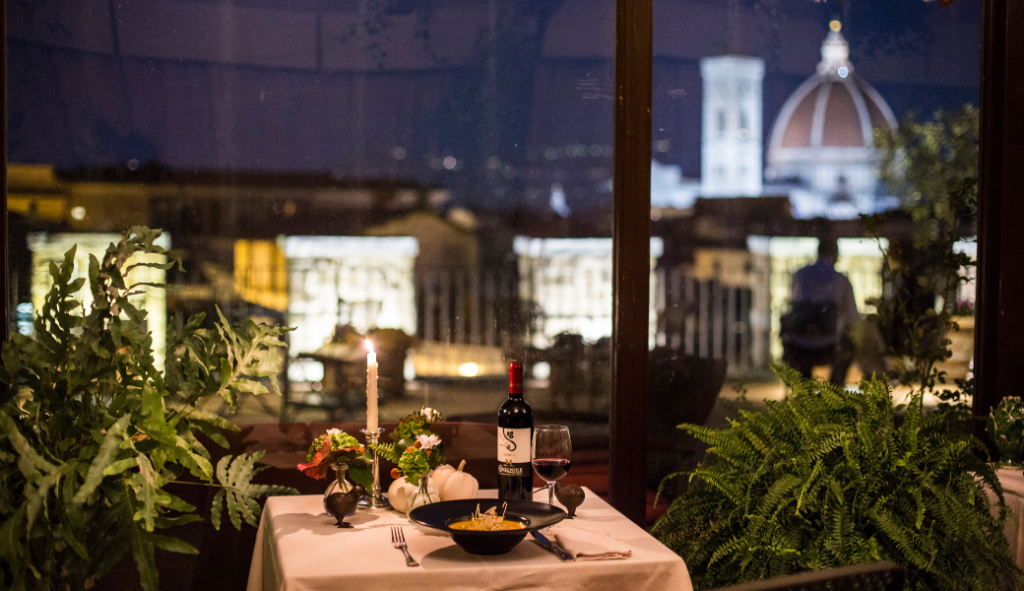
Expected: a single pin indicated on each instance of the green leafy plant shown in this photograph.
(830, 477)
(93, 432)
(932, 168)
(1005, 427)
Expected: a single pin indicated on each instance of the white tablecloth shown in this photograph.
(299, 549)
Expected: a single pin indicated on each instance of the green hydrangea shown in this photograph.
(414, 463)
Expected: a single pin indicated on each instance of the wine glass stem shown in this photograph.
(551, 493)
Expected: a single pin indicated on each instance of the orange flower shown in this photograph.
(318, 466)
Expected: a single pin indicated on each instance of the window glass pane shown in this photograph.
(432, 174)
(765, 121)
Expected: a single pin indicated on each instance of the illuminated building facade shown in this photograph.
(570, 280)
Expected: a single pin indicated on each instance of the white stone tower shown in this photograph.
(731, 146)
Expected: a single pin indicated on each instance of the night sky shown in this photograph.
(495, 106)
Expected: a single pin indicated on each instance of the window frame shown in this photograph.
(1000, 243)
(1000, 320)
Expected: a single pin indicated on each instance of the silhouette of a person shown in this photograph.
(816, 330)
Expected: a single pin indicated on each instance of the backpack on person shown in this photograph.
(809, 332)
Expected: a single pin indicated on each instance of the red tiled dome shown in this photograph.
(833, 108)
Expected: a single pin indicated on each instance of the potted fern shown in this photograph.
(830, 477)
(92, 432)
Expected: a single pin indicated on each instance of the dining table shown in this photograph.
(299, 547)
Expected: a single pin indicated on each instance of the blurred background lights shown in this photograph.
(78, 212)
(449, 162)
(843, 71)
(469, 370)
(541, 370)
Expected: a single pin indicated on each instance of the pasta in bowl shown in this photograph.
(487, 526)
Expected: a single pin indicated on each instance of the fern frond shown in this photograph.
(386, 451)
(240, 494)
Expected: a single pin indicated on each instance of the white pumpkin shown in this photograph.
(441, 474)
(459, 485)
(400, 491)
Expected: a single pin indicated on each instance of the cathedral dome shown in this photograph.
(833, 108)
(823, 137)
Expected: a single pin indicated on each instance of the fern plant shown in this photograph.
(93, 432)
(830, 478)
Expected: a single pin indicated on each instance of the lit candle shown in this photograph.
(371, 388)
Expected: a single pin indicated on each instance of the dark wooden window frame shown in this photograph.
(1000, 319)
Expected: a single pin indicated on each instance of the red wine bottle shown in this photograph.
(515, 441)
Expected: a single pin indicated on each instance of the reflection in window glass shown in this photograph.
(351, 169)
(772, 110)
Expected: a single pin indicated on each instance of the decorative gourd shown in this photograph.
(441, 474)
(459, 485)
(400, 491)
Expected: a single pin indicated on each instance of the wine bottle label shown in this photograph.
(508, 469)
(514, 446)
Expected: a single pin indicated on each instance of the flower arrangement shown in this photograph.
(416, 449)
(417, 423)
(338, 448)
(419, 458)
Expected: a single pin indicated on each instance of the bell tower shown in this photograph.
(731, 138)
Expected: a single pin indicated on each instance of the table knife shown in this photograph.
(544, 541)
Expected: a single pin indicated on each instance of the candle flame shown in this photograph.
(369, 345)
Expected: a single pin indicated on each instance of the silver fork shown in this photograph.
(398, 541)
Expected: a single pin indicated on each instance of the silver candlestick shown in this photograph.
(376, 499)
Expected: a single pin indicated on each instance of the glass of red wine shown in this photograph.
(552, 454)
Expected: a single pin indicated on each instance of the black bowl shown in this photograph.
(534, 515)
